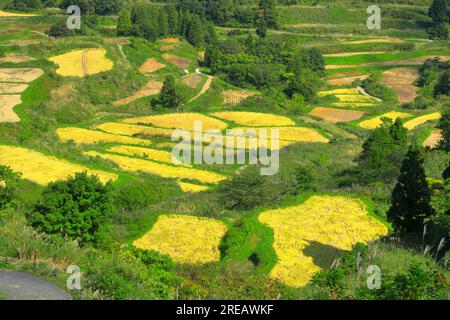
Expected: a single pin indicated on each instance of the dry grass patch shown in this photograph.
(178, 61)
(166, 47)
(151, 88)
(150, 66)
(9, 88)
(171, 40)
(255, 119)
(43, 169)
(84, 136)
(434, 140)
(186, 239)
(337, 222)
(379, 40)
(406, 62)
(234, 97)
(7, 104)
(347, 81)
(401, 80)
(80, 63)
(184, 121)
(412, 124)
(158, 169)
(336, 115)
(377, 121)
(15, 58)
(20, 74)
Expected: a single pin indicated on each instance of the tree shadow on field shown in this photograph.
(323, 255)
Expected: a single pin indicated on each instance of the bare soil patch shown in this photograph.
(346, 81)
(336, 115)
(401, 81)
(151, 65)
(62, 91)
(7, 104)
(9, 88)
(205, 88)
(166, 47)
(178, 61)
(20, 74)
(343, 75)
(236, 96)
(151, 88)
(117, 41)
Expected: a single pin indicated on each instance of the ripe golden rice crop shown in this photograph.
(255, 119)
(410, 125)
(339, 222)
(84, 136)
(83, 62)
(179, 121)
(151, 154)
(352, 91)
(376, 122)
(186, 239)
(290, 134)
(43, 169)
(236, 96)
(131, 130)
(190, 187)
(4, 14)
(336, 115)
(158, 169)
(434, 139)
(353, 98)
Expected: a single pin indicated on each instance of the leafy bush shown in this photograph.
(9, 183)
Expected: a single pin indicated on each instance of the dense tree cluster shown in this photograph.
(150, 22)
(267, 63)
(26, 5)
(440, 14)
(99, 7)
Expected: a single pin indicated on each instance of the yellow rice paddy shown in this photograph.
(410, 125)
(288, 134)
(352, 91)
(4, 14)
(190, 187)
(85, 136)
(131, 130)
(255, 119)
(179, 121)
(42, 169)
(334, 221)
(376, 122)
(186, 239)
(158, 169)
(147, 153)
(80, 63)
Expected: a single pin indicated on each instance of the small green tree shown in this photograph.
(169, 97)
(446, 173)
(444, 125)
(411, 197)
(74, 208)
(196, 34)
(9, 183)
(261, 27)
(399, 133)
(124, 24)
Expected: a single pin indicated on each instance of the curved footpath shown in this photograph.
(26, 286)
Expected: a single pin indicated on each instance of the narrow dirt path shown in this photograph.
(84, 63)
(206, 86)
(26, 286)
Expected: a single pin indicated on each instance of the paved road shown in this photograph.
(26, 286)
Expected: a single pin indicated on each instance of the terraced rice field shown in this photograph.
(158, 169)
(186, 239)
(178, 61)
(234, 97)
(151, 88)
(405, 62)
(147, 153)
(401, 80)
(43, 169)
(184, 121)
(377, 121)
(336, 115)
(192, 80)
(414, 123)
(85, 136)
(349, 97)
(434, 139)
(8, 88)
(15, 58)
(191, 188)
(7, 104)
(80, 63)
(330, 221)
(286, 134)
(132, 130)
(150, 66)
(4, 14)
(255, 119)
